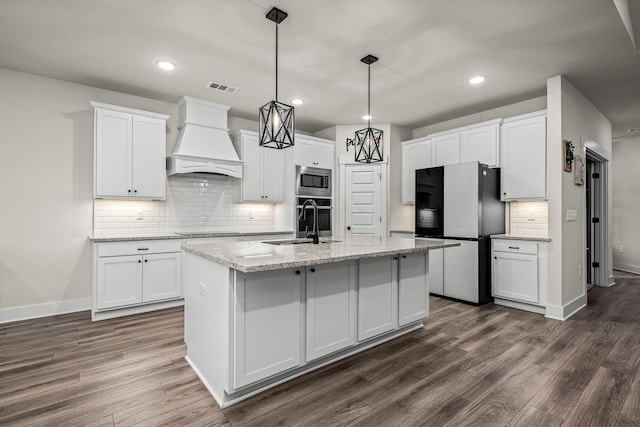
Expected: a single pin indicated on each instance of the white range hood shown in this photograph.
(203, 144)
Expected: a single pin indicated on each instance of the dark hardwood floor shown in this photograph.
(477, 366)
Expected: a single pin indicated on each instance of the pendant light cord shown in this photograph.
(369, 98)
(276, 62)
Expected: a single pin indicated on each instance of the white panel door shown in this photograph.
(267, 319)
(377, 296)
(461, 200)
(119, 281)
(331, 307)
(515, 276)
(413, 288)
(362, 200)
(481, 145)
(446, 149)
(149, 157)
(113, 153)
(461, 271)
(162, 276)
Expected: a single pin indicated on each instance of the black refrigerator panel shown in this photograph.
(491, 207)
(429, 202)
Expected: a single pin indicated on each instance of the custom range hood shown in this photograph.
(203, 144)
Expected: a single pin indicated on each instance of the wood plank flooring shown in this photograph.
(480, 366)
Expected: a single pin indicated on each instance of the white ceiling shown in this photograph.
(428, 49)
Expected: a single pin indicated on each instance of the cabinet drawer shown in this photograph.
(139, 247)
(516, 246)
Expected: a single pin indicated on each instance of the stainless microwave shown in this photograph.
(313, 181)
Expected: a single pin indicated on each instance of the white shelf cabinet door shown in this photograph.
(304, 152)
(461, 272)
(436, 271)
(413, 288)
(161, 276)
(446, 149)
(324, 155)
(481, 144)
(273, 170)
(331, 308)
(114, 141)
(149, 157)
(415, 155)
(515, 276)
(524, 159)
(119, 281)
(267, 324)
(377, 296)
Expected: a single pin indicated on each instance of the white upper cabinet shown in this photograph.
(314, 152)
(481, 144)
(130, 148)
(446, 149)
(416, 154)
(263, 178)
(524, 157)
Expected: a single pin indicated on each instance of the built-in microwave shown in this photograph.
(314, 182)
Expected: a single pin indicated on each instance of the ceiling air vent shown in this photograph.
(222, 87)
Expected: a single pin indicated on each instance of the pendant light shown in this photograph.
(276, 119)
(369, 140)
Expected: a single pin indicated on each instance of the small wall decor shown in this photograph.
(567, 151)
(350, 142)
(578, 172)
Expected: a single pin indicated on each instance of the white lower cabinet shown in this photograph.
(519, 274)
(130, 275)
(331, 308)
(413, 288)
(377, 296)
(267, 319)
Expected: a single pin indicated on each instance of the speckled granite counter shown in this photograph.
(520, 237)
(184, 235)
(258, 256)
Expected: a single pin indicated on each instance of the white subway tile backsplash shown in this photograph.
(192, 203)
(529, 219)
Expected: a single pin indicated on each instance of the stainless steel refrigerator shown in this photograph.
(461, 202)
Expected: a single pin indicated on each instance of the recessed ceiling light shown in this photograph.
(297, 101)
(476, 80)
(166, 64)
(367, 117)
(633, 130)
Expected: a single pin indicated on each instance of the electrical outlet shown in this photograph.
(203, 289)
(140, 217)
(250, 214)
(531, 215)
(621, 249)
(579, 271)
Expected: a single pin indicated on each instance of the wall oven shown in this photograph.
(324, 217)
(315, 182)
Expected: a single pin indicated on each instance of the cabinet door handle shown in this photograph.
(143, 249)
(395, 257)
(514, 247)
(298, 272)
(146, 260)
(135, 191)
(313, 270)
(404, 256)
(139, 261)
(266, 197)
(129, 191)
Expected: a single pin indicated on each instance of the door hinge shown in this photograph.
(595, 175)
(380, 176)
(380, 220)
(595, 264)
(595, 220)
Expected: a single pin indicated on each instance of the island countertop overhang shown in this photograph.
(249, 257)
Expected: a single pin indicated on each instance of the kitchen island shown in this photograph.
(260, 313)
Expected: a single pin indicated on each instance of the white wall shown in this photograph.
(573, 117)
(46, 172)
(401, 216)
(625, 208)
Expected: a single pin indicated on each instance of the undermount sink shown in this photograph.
(298, 241)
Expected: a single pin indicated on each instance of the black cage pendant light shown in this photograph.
(276, 118)
(369, 140)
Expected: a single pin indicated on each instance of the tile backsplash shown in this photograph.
(529, 219)
(193, 203)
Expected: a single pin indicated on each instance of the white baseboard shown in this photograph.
(629, 268)
(563, 312)
(26, 312)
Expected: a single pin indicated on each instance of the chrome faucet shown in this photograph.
(303, 215)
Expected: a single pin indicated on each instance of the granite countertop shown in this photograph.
(198, 234)
(258, 256)
(521, 237)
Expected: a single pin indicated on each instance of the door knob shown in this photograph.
(348, 227)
